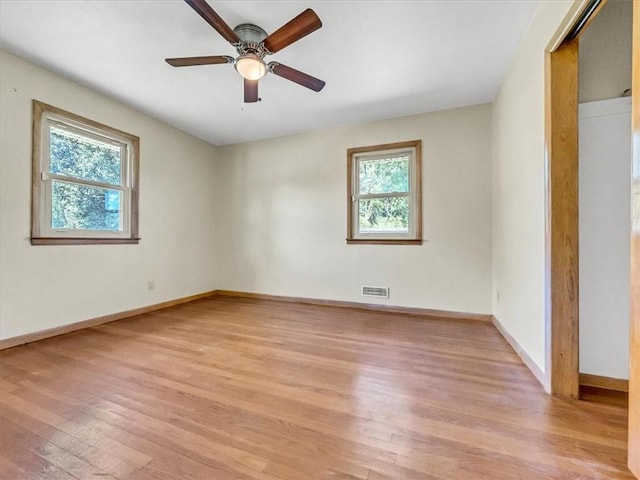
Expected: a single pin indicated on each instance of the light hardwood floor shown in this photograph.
(230, 388)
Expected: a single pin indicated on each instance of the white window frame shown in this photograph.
(412, 149)
(47, 117)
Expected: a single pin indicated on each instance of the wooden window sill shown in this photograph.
(380, 241)
(84, 241)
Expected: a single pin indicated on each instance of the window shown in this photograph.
(85, 180)
(384, 194)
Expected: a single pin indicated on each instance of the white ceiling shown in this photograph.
(380, 59)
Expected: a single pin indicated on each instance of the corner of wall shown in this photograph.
(518, 191)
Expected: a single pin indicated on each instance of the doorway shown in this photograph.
(561, 165)
(604, 117)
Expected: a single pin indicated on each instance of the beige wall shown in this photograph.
(605, 53)
(271, 215)
(519, 188)
(47, 286)
(285, 214)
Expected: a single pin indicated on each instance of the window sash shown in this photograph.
(47, 214)
(382, 157)
(381, 232)
(50, 120)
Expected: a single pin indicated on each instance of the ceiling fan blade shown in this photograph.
(190, 61)
(212, 18)
(250, 91)
(296, 76)
(301, 26)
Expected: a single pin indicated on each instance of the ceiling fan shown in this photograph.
(252, 44)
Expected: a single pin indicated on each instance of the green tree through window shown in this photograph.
(84, 207)
(384, 176)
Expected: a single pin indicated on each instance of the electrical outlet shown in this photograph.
(498, 296)
(151, 284)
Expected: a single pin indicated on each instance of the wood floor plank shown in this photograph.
(230, 388)
(112, 457)
(47, 458)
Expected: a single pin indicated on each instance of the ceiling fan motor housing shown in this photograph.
(251, 37)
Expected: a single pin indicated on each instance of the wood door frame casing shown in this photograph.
(561, 272)
(561, 202)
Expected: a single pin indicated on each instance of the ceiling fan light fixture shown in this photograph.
(250, 66)
(252, 44)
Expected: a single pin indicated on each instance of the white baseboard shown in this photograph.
(526, 359)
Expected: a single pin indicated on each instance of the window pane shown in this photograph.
(384, 176)
(85, 158)
(384, 215)
(82, 207)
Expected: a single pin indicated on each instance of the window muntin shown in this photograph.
(85, 180)
(384, 193)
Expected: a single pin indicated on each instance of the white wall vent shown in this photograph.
(379, 292)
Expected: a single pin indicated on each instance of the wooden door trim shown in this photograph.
(561, 165)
